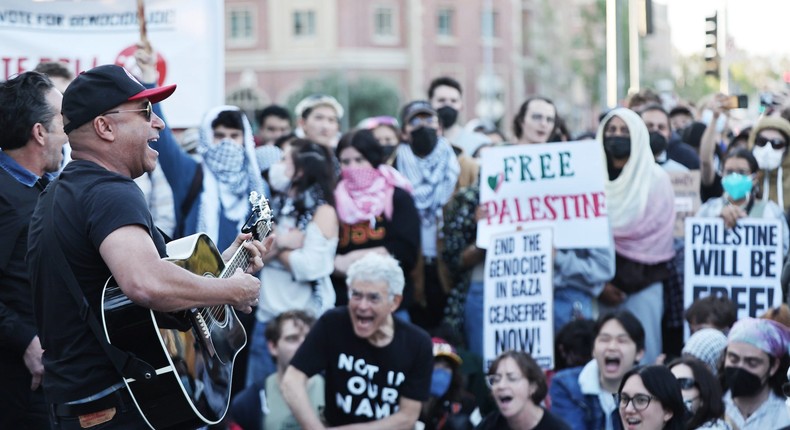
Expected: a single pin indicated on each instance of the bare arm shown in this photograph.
(708, 141)
(293, 387)
(161, 285)
(343, 261)
(408, 412)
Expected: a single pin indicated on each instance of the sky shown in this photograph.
(758, 26)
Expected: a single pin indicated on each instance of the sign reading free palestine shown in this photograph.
(560, 185)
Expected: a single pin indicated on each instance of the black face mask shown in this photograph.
(742, 383)
(423, 140)
(447, 116)
(388, 150)
(618, 147)
(658, 143)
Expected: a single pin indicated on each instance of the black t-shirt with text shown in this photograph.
(364, 382)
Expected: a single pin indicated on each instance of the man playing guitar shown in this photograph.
(96, 216)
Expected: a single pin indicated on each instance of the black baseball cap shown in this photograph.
(412, 109)
(98, 90)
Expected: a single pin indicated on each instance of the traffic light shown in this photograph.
(711, 46)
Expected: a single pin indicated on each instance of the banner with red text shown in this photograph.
(560, 185)
(188, 35)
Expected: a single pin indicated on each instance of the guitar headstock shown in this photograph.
(263, 216)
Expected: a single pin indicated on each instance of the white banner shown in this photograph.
(519, 299)
(560, 185)
(743, 263)
(188, 35)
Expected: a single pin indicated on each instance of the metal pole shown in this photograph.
(611, 53)
(633, 46)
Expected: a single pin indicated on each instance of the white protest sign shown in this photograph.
(554, 184)
(519, 299)
(744, 263)
(188, 36)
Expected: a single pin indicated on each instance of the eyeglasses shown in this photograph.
(775, 143)
(492, 380)
(640, 401)
(148, 110)
(372, 298)
(424, 121)
(687, 383)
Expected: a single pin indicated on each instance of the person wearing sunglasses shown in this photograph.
(768, 142)
(701, 394)
(92, 222)
(649, 399)
(740, 197)
(518, 387)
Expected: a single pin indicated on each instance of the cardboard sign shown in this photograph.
(558, 185)
(687, 197)
(519, 299)
(743, 263)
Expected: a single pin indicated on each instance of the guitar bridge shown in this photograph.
(203, 331)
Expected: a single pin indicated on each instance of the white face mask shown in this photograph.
(767, 157)
(278, 180)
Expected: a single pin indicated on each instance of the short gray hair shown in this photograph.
(377, 267)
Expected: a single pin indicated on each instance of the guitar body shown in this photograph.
(194, 366)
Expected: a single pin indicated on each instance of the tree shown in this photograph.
(364, 97)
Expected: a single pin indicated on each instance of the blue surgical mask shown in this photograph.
(737, 186)
(440, 381)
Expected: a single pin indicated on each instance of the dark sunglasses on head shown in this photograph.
(775, 143)
(148, 109)
(686, 383)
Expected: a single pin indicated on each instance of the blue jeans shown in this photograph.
(261, 364)
(570, 304)
(473, 318)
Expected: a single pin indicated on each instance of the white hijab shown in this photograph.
(627, 195)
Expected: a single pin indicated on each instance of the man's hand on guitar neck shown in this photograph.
(256, 249)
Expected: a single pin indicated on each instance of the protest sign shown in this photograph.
(518, 301)
(186, 34)
(687, 197)
(555, 184)
(743, 263)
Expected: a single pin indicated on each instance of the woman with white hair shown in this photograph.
(641, 206)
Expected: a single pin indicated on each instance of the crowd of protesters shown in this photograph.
(372, 290)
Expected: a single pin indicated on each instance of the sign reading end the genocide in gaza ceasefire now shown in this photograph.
(743, 263)
(553, 184)
(518, 301)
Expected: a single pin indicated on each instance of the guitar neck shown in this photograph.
(240, 260)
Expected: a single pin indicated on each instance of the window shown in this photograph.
(304, 23)
(241, 25)
(488, 24)
(383, 22)
(445, 22)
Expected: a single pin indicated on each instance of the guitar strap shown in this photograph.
(127, 364)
